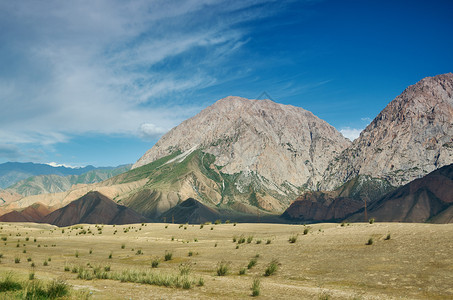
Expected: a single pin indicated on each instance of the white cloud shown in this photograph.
(351, 133)
(56, 165)
(151, 131)
(73, 67)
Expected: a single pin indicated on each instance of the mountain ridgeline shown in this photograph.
(248, 160)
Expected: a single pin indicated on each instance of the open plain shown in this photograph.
(325, 261)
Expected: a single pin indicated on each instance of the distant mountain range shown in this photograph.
(12, 172)
(250, 159)
(43, 184)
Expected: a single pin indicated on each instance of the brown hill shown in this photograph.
(33, 213)
(318, 206)
(411, 137)
(93, 208)
(191, 211)
(426, 199)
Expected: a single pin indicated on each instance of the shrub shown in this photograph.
(185, 269)
(57, 288)
(45, 263)
(256, 287)
(123, 246)
(168, 255)
(223, 268)
(190, 253)
(217, 222)
(241, 239)
(242, 271)
(249, 239)
(49, 259)
(370, 242)
(24, 251)
(28, 259)
(1, 255)
(139, 252)
(268, 241)
(212, 228)
(110, 255)
(292, 239)
(8, 284)
(107, 268)
(76, 254)
(252, 263)
(4, 238)
(201, 226)
(17, 260)
(31, 275)
(306, 230)
(258, 241)
(91, 251)
(200, 281)
(66, 268)
(155, 263)
(271, 268)
(234, 239)
(387, 237)
(371, 220)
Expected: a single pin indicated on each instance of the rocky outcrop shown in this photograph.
(93, 208)
(282, 143)
(411, 137)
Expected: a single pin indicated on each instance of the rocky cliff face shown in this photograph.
(282, 143)
(411, 137)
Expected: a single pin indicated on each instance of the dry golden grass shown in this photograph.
(330, 262)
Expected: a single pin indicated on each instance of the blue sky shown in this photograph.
(98, 82)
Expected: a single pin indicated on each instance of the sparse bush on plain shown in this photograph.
(155, 263)
(217, 222)
(76, 254)
(387, 237)
(268, 241)
(252, 263)
(271, 268)
(17, 260)
(242, 271)
(256, 287)
(249, 239)
(8, 284)
(370, 241)
(292, 239)
(168, 255)
(123, 246)
(185, 268)
(371, 221)
(306, 230)
(223, 268)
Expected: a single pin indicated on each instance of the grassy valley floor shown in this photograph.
(326, 261)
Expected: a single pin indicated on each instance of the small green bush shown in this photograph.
(242, 271)
(249, 239)
(370, 242)
(371, 221)
(271, 268)
(252, 263)
(8, 284)
(292, 239)
(168, 255)
(256, 287)
(387, 237)
(268, 241)
(17, 260)
(223, 268)
(155, 263)
(306, 230)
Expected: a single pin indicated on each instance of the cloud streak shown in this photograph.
(110, 67)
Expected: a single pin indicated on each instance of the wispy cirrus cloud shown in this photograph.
(111, 67)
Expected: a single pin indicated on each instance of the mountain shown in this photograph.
(12, 172)
(331, 206)
(411, 137)
(93, 208)
(255, 152)
(43, 184)
(428, 199)
(33, 213)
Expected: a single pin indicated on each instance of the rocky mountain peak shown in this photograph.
(411, 137)
(280, 142)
